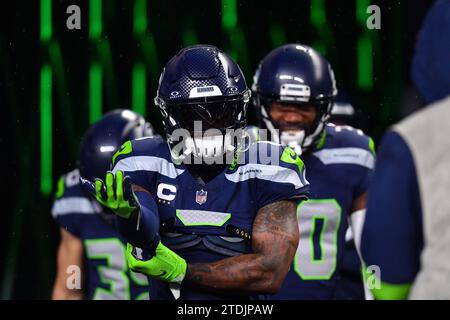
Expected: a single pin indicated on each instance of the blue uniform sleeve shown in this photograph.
(69, 222)
(142, 160)
(141, 230)
(284, 179)
(71, 204)
(366, 172)
(142, 167)
(392, 235)
(362, 148)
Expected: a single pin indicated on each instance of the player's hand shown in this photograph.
(115, 193)
(164, 265)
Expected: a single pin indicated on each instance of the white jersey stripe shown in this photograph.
(148, 163)
(72, 205)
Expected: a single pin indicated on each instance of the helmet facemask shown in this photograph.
(299, 137)
(205, 130)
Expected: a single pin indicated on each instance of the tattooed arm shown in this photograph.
(274, 241)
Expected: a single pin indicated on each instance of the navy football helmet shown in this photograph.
(294, 74)
(203, 91)
(105, 137)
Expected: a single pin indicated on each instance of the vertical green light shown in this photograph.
(318, 18)
(95, 19)
(140, 17)
(365, 58)
(95, 92)
(189, 36)
(318, 13)
(361, 11)
(277, 35)
(229, 16)
(365, 62)
(238, 47)
(46, 129)
(139, 89)
(46, 20)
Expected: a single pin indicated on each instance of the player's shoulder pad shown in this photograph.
(346, 145)
(151, 154)
(70, 197)
(68, 185)
(272, 162)
(147, 146)
(348, 137)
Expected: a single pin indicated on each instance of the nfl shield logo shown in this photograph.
(200, 196)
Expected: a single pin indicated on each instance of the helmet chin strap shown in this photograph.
(274, 133)
(293, 139)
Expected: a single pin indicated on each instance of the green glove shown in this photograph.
(122, 200)
(165, 265)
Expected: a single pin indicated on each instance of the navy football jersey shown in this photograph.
(207, 222)
(105, 264)
(339, 169)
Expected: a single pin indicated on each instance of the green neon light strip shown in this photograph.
(95, 19)
(239, 49)
(318, 18)
(361, 11)
(320, 46)
(95, 92)
(318, 13)
(140, 17)
(109, 76)
(139, 88)
(365, 58)
(277, 35)
(46, 20)
(151, 55)
(229, 14)
(64, 104)
(189, 36)
(46, 130)
(365, 62)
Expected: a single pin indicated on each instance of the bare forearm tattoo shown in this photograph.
(274, 240)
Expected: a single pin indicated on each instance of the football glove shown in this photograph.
(164, 265)
(115, 193)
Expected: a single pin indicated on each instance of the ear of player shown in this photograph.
(115, 193)
(165, 265)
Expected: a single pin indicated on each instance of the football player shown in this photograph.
(219, 216)
(294, 89)
(350, 286)
(90, 244)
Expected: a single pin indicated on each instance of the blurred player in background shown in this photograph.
(294, 90)
(89, 238)
(407, 228)
(350, 286)
(342, 114)
(214, 220)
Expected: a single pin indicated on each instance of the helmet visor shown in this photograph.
(219, 115)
